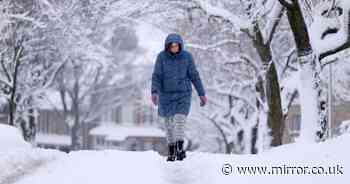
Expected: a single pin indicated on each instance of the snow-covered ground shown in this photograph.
(11, 138)
(18, 158)
(37, 166)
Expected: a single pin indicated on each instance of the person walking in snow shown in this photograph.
(173, 73)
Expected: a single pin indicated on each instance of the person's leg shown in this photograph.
(180, 120)
(169, 129)
(170, 137)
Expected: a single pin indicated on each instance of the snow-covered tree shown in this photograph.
(25, 72)
(257, 22)
(314, 27)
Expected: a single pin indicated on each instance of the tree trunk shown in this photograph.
(12, 101)
(76, 111)
(32, 126)
(29, 126)
(275, 114)
(309, 88)
(12, 110)
(269, 90)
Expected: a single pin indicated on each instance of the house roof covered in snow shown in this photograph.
(121, 132)
(53, 139)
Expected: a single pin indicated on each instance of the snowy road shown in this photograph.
(107, 167)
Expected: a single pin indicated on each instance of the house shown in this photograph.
(52, 130)
(130, 127)
(110, 135)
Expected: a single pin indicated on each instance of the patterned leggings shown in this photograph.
(174, 127)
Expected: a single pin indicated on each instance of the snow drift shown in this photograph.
(17, 157)
(110, 166)
(10, 138)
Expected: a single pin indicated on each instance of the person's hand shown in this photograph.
(155, 99)
(203, 100)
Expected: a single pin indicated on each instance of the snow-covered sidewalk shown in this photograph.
(92, 167)
(19, 163)
(18, 158)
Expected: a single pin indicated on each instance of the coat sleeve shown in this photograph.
(195, 78)
(157, 76)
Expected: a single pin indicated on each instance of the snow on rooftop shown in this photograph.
(53, 139)
(121, 132)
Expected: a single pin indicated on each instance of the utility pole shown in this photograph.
(330, 100)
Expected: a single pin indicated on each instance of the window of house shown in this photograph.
(40, 123)
(46, 123)
(100, 140)
(295, 124)
(115, 143)
(107, 116)
(117, 114)
(138, 115)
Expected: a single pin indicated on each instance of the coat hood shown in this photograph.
(174, 38)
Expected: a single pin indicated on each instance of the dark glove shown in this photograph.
(203, 100)
(155, 99)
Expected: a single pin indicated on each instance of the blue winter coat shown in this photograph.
(172, 77)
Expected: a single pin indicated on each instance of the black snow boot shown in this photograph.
(171, 152)
(180, 152)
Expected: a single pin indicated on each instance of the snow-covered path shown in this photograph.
(107, 167)
(116, 166)
(18, 163)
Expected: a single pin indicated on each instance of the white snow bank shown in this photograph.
(10, 138)
(120, 133)
(91, 167)
(17, 163)
(17, 157)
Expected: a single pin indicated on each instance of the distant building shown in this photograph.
(131, 127)
(52, 130)
(110, 135)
